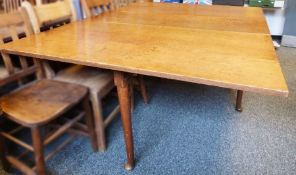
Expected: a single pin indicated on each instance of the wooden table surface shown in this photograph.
(222, 18)
(222, 46)
(168, 48)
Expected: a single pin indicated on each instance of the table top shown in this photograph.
(231, 59)
(222, 18)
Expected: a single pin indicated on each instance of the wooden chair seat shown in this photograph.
(97, 80)
(41, 102)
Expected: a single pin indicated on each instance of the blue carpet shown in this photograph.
(194, 129)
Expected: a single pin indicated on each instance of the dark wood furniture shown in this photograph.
(36, 104)
(134, 41)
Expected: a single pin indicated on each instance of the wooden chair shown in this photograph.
(40, 2)
(98, 81)
(38, 104)
(96, 7)
(123, 3)
(11, 5)
(5, 33)
(50, 14)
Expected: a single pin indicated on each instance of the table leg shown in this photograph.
(122, 84)
(239, 98)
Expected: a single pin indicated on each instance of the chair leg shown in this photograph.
(99, 121)
(38, 150)
(143, 89)
(3, 152)
(90, 122)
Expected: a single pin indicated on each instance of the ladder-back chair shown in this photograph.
(39, 104)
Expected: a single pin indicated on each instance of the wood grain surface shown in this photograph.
(225, 18)
(56, 96)
(239, 60)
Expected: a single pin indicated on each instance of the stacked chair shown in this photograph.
(39, 105)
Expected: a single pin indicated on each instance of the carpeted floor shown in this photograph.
(194, 129)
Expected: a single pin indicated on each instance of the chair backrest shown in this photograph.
(39, 2)
(11, 5)
(95, 7)
(123, 3)
(49, 14)
(11, 21)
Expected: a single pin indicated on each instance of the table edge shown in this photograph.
(263, 91)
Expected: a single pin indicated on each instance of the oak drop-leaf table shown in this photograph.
(222, 46)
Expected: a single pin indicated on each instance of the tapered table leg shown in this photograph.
(239, 98)
(122, 84)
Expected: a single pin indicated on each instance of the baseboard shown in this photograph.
(289, 41)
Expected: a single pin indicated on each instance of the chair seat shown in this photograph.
(41, 101)
(95, 79)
